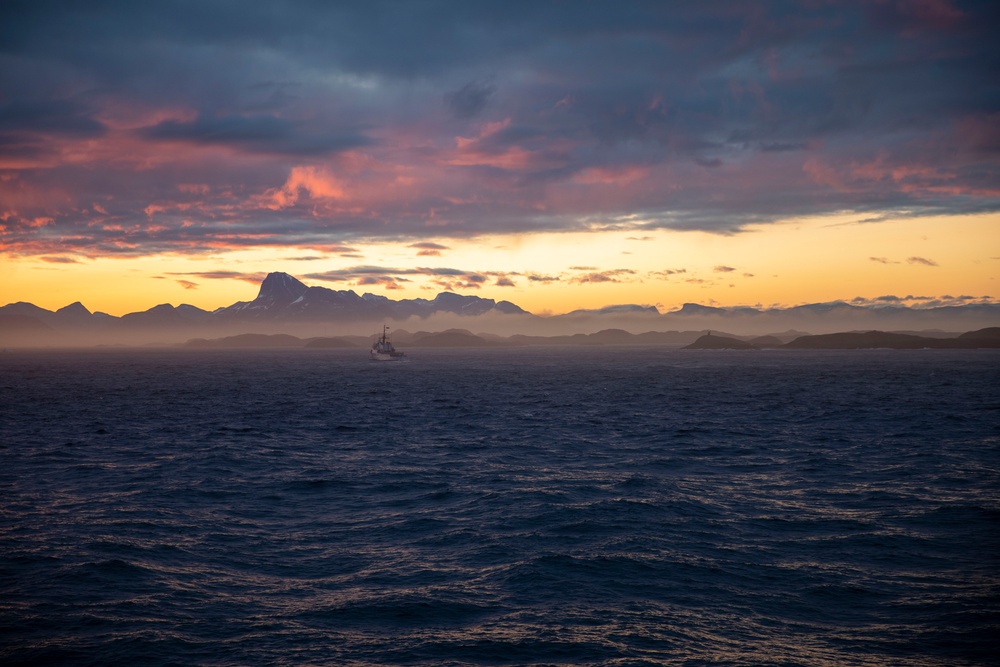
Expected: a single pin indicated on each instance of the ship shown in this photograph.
(382, 348)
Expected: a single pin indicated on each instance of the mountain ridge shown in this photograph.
(284, 304)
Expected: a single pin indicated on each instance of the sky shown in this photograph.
(559, 155)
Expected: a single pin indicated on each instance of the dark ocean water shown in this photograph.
(611, 506)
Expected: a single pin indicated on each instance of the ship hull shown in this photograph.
(386, 356)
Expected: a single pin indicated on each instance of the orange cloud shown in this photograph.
(611, 175)
(513, 158)
(317, 183)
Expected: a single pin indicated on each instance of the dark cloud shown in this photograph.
(780, 147)
(59, 259)
(470, 100)
(921, 260)
(632, 116)
(29, 129)
(610, 276)
(444, 277)
(724, 269)
(56, 116)
(264, 134)
(255, 278)
(386, 282)
(539, 278)
(428, 249)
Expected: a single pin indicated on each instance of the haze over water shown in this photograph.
(612, 506)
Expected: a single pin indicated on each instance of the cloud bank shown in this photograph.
(139, 128)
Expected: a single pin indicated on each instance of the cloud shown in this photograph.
(187, 284)
(920, 301)
(724, 269)
(314, 182)
(470, 100)
(427, 249)
(921, 260)
(610, 276)
(255, 278)
(32, 132)
(59, 259)
(366, 124)
(55, 116)
(540, 278)
(254, 133)
(443, 277)
(386, 282)
(882, 260)
(334, 249)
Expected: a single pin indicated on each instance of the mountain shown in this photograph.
(285, 305)
(14, 324)
(282, 302)
(282, 297)
(987, 334)
(451, 339)
(835, 316)
(766, 342)
(165, 315)
(859, 340)
(620, 309)
(74, 312)
(710, 342)
(248, 340)
(856, 340)
(25, 309)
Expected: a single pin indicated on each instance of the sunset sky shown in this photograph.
(559, 155)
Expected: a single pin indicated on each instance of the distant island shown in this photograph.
(458, 338)
(854, 340)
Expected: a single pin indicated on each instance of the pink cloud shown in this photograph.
(512, 158)
(315, 182)
(485, 130)
(611, 175)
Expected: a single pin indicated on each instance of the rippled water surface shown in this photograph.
(611, 506)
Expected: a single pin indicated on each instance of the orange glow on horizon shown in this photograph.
(806, 261)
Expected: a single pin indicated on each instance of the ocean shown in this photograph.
(529, 506)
